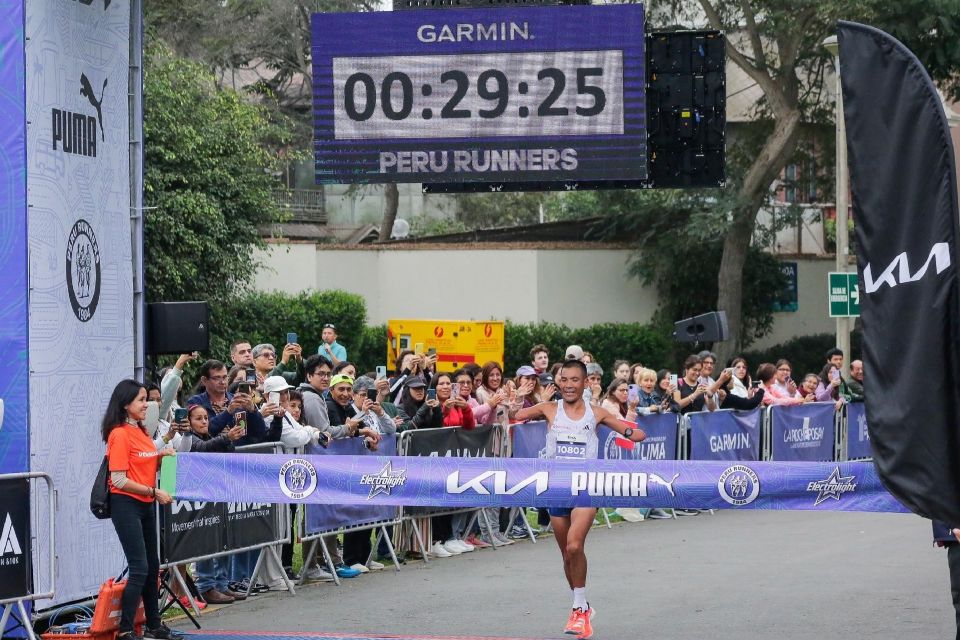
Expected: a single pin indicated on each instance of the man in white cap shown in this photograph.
(574, 352)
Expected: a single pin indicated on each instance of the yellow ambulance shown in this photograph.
(456, 342)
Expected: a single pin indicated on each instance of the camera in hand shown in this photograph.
(240, 420)
(323, 439)
(179, 414)
(372, 395)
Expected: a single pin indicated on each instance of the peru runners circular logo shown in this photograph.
(298, 478)
(739, 485)
(83, 270)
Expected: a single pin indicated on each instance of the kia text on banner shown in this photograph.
(15, 577)
(803, 432)
(858, 438)
(330, 517)
(508, 482)
(904, 183)
(725, 435)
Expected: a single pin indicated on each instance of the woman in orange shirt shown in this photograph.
(133, 460)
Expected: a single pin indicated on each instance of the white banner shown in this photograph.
(81, 274)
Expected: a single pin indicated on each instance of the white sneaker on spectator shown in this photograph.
(439, 550)
(458, 544)
(376, 566)
(659, 514)
(362, 568)
(686, 512)
(453, 549)
(316, 573)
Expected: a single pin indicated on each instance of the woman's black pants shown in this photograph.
(135, 522)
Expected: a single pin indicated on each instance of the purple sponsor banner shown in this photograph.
(508, 482)
(858, 438)
(14, 438)
(460, 95)
(320, 518)
(660, 442)
(529, 439)
(804, 432)
(725, 435)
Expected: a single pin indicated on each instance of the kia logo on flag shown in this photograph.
(939, 255)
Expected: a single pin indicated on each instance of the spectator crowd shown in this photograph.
(286, 396)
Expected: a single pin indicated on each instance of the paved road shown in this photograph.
(733, 575)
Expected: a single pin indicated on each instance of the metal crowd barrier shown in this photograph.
(499, 445)
(268, 550)
(7, 605)
(316, 538)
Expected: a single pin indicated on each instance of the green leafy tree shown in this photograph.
(207, 182)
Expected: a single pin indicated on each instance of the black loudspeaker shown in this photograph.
(709, 327)
(178, 327)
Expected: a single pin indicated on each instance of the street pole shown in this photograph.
(842, 190)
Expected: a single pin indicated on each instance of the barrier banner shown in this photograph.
(858, 438)
(196, 528)
(522, 482)
(660, 444)
(451, 441)
(803, 432)
(15, 575)
(320, 518)
(725, 435)
(529, 439)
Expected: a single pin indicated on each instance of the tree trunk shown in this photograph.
(777, 150)
(391, 196)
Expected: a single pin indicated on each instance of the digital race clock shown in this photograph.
(506, 94)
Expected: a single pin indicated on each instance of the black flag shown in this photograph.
(904, 188)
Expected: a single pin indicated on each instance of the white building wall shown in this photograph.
(576, 287)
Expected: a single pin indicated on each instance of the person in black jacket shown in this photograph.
(427, 414)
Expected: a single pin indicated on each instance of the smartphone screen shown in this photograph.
(432, 351)
(455, 390)
(252, 376)
(431, 394)
(372, 395)
(633, 392)
(274, 397)
(179, 414)
(418, 348)
(673, 379)
(291, 338)
(240, 420)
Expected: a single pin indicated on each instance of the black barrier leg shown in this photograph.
(173, 599)
(382, 535)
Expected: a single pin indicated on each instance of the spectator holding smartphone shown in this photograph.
(691, 394)
(666, 388)
(426, 412)
(223, 406)
(831, 387)
(809, 385)
(740, 394)
(492, 394)
(456, 409)
(777, 386)
(649, 395)
(329, 347)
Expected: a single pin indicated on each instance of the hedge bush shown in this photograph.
(805, 353)
(268, 317)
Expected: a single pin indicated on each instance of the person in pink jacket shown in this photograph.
(779, 387)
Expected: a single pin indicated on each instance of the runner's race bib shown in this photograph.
(571, 447)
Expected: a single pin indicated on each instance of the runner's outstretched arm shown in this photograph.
(617, 424)
(542, 410)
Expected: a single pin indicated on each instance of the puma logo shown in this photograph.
(655, 479)
(86, 90)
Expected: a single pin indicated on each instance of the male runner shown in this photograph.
(573, 435)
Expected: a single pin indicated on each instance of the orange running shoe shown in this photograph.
(575, 622)
(586, 626)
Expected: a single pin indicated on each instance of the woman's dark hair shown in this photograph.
(690, 362)
(234, 370)
(123, 394)
(472, 368)
(783, 361)
(151, 386)
(765, 372)
(400, 356)
(663, 373)
(825, 380)
(296, 395)
(436, 378)
(555, 369)
(746, 377)
(611, 388)
(489, 368)
(343, 364)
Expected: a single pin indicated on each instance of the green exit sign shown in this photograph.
(843, 294)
